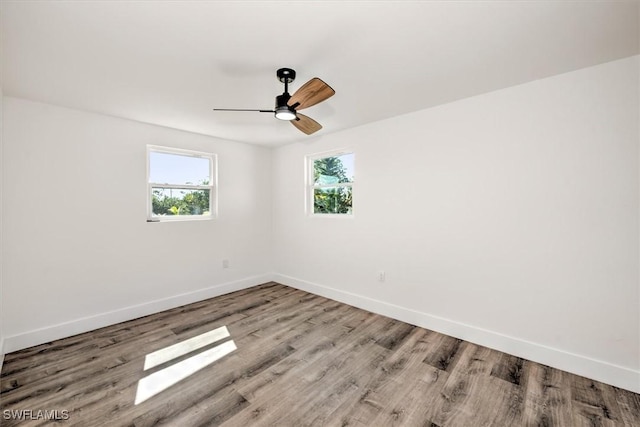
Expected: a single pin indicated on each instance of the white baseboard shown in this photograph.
(78, 326)
(598, 370)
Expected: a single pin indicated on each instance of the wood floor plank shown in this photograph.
(461, 396)
(314, 343)
(326, 358)
(318, 390)
(629, 404)
(388, 382)
(296, 359)
(510, 368)
(594, 403)
(444, 352)
(548, 401)
(417, 406)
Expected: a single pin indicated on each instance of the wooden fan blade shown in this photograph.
(311, 93)
(306, 124)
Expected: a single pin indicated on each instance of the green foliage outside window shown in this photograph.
(167, 201)
(332, 200)
(329, 199)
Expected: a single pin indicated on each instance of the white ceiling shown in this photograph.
(171, 63)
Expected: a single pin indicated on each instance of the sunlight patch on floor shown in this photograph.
(161, 380)
(174, 351)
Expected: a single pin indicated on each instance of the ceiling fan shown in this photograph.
(311, 93)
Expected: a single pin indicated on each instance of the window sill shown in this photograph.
(179, 218)
(332, 216)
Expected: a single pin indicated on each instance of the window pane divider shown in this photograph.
(342, 184)
(181, 186)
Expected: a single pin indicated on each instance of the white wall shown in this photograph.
(1, 244)
(1, 240)
(509, 219)
(78, 252)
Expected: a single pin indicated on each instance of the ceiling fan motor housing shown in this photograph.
(282, 100)
(282, 110)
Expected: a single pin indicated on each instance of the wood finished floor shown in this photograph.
(301, 360)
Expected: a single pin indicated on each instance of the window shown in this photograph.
(181, 184)
(330, 179)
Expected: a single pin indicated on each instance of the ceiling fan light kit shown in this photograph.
(311, 93)
(283, 113)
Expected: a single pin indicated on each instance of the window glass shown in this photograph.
(331, 185)
(180, 184)
(178, 169)
(171, 201)
(332, 200)
(333, 170)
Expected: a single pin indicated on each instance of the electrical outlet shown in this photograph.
(225, 263)
(382, 276)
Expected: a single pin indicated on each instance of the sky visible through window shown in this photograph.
(347, 162)
(167, 168)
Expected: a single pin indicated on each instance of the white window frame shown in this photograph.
(212, 187)
(311, 186)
